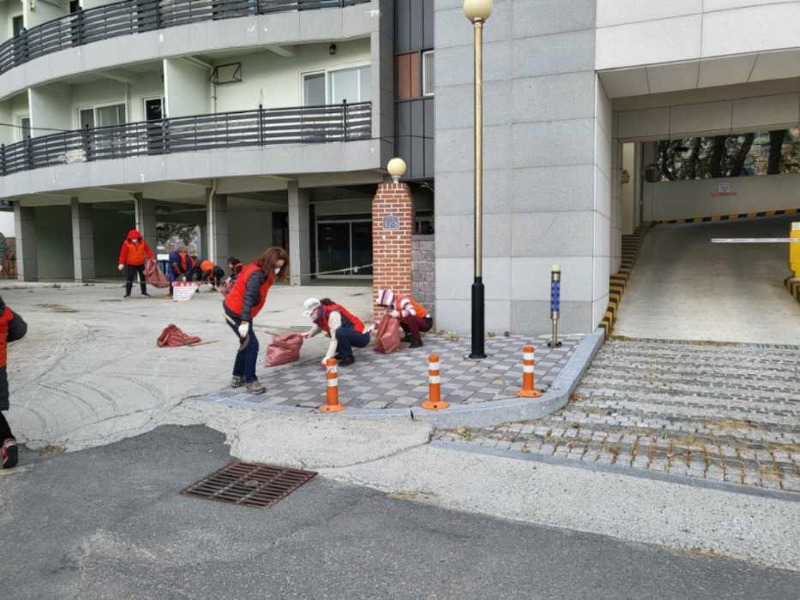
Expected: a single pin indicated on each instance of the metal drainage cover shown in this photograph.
(250, 484)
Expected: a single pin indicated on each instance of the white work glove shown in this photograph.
(394, 314)
(244, 326)
(120, 267)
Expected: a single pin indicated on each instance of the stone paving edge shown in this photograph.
(626, 471)
(482, 415)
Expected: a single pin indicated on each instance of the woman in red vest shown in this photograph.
(338, 323)
(243, 303)
(132, 255)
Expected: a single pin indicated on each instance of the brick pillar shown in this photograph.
(392, 226)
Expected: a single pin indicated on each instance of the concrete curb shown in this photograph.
(480, 415)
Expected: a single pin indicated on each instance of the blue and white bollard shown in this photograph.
(555, 303)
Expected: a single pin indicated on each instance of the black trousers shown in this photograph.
(5, 430)
(130, 271)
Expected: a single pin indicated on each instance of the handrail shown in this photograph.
(135, 16)
(261, 127)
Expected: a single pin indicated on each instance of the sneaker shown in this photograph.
(415, 344)
(255, 387)
(145, 294)
(346, 361)
(8, 453)
(126, 296)
(237, 381)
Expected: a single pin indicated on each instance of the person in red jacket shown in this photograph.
(12, 327)
(242, 305)
(132, 256)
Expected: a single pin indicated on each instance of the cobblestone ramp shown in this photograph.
(718, 412)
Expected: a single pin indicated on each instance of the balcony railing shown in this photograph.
(135, 16)
(261, 127)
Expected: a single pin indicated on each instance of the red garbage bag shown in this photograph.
(226, 286)
(388, 335)
(172, 337)
(284, 348)
(155, 276)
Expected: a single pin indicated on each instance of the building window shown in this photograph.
(334, 87)
(24, 128)
(349, 85)
(314, 89)
(427, 73)
(102, 116)
(17, 25)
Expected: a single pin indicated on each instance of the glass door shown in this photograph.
(344, 247)
(333, 247)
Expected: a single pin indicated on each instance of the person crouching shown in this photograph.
(413, 316)
(343, 327)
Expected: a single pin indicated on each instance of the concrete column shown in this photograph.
(146, 219)
(27, 264)
(82, 241)
(299, 235)
(392, 226)
(217, 227)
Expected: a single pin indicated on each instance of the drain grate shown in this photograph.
(250, 484)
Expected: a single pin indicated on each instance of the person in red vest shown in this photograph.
(132, 257)
(180, 267)
(209, 272)
(242, 305)
(413, 316)
(12, 327)
(343, 327)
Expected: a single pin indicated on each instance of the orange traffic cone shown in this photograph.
(528, 390)
(435, 401)
(332, 391)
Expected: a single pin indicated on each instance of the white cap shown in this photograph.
(309, 305)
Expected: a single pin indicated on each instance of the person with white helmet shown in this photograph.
(343, 327)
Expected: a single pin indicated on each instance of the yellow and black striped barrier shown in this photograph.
(734, 217)
(619, 281)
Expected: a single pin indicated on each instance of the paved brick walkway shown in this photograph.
(718, 412)
(400, 380)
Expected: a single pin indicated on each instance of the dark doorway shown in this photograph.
(154, 113)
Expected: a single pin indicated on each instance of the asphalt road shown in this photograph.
(109, 523)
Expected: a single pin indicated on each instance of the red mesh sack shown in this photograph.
(284, 348)
(388, 335)
(155, 276)
(172, 337)
(226, 286)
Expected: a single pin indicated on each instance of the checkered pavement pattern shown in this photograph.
(400, 380)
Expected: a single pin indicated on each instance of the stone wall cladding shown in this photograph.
(423, 256)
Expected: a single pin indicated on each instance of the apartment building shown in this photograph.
(271, 121)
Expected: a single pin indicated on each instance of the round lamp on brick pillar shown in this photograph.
(478, 11)
(397, 168)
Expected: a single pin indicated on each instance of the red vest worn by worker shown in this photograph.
(5, 318)
(402, 300)
(348, 319)
(235, 298)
